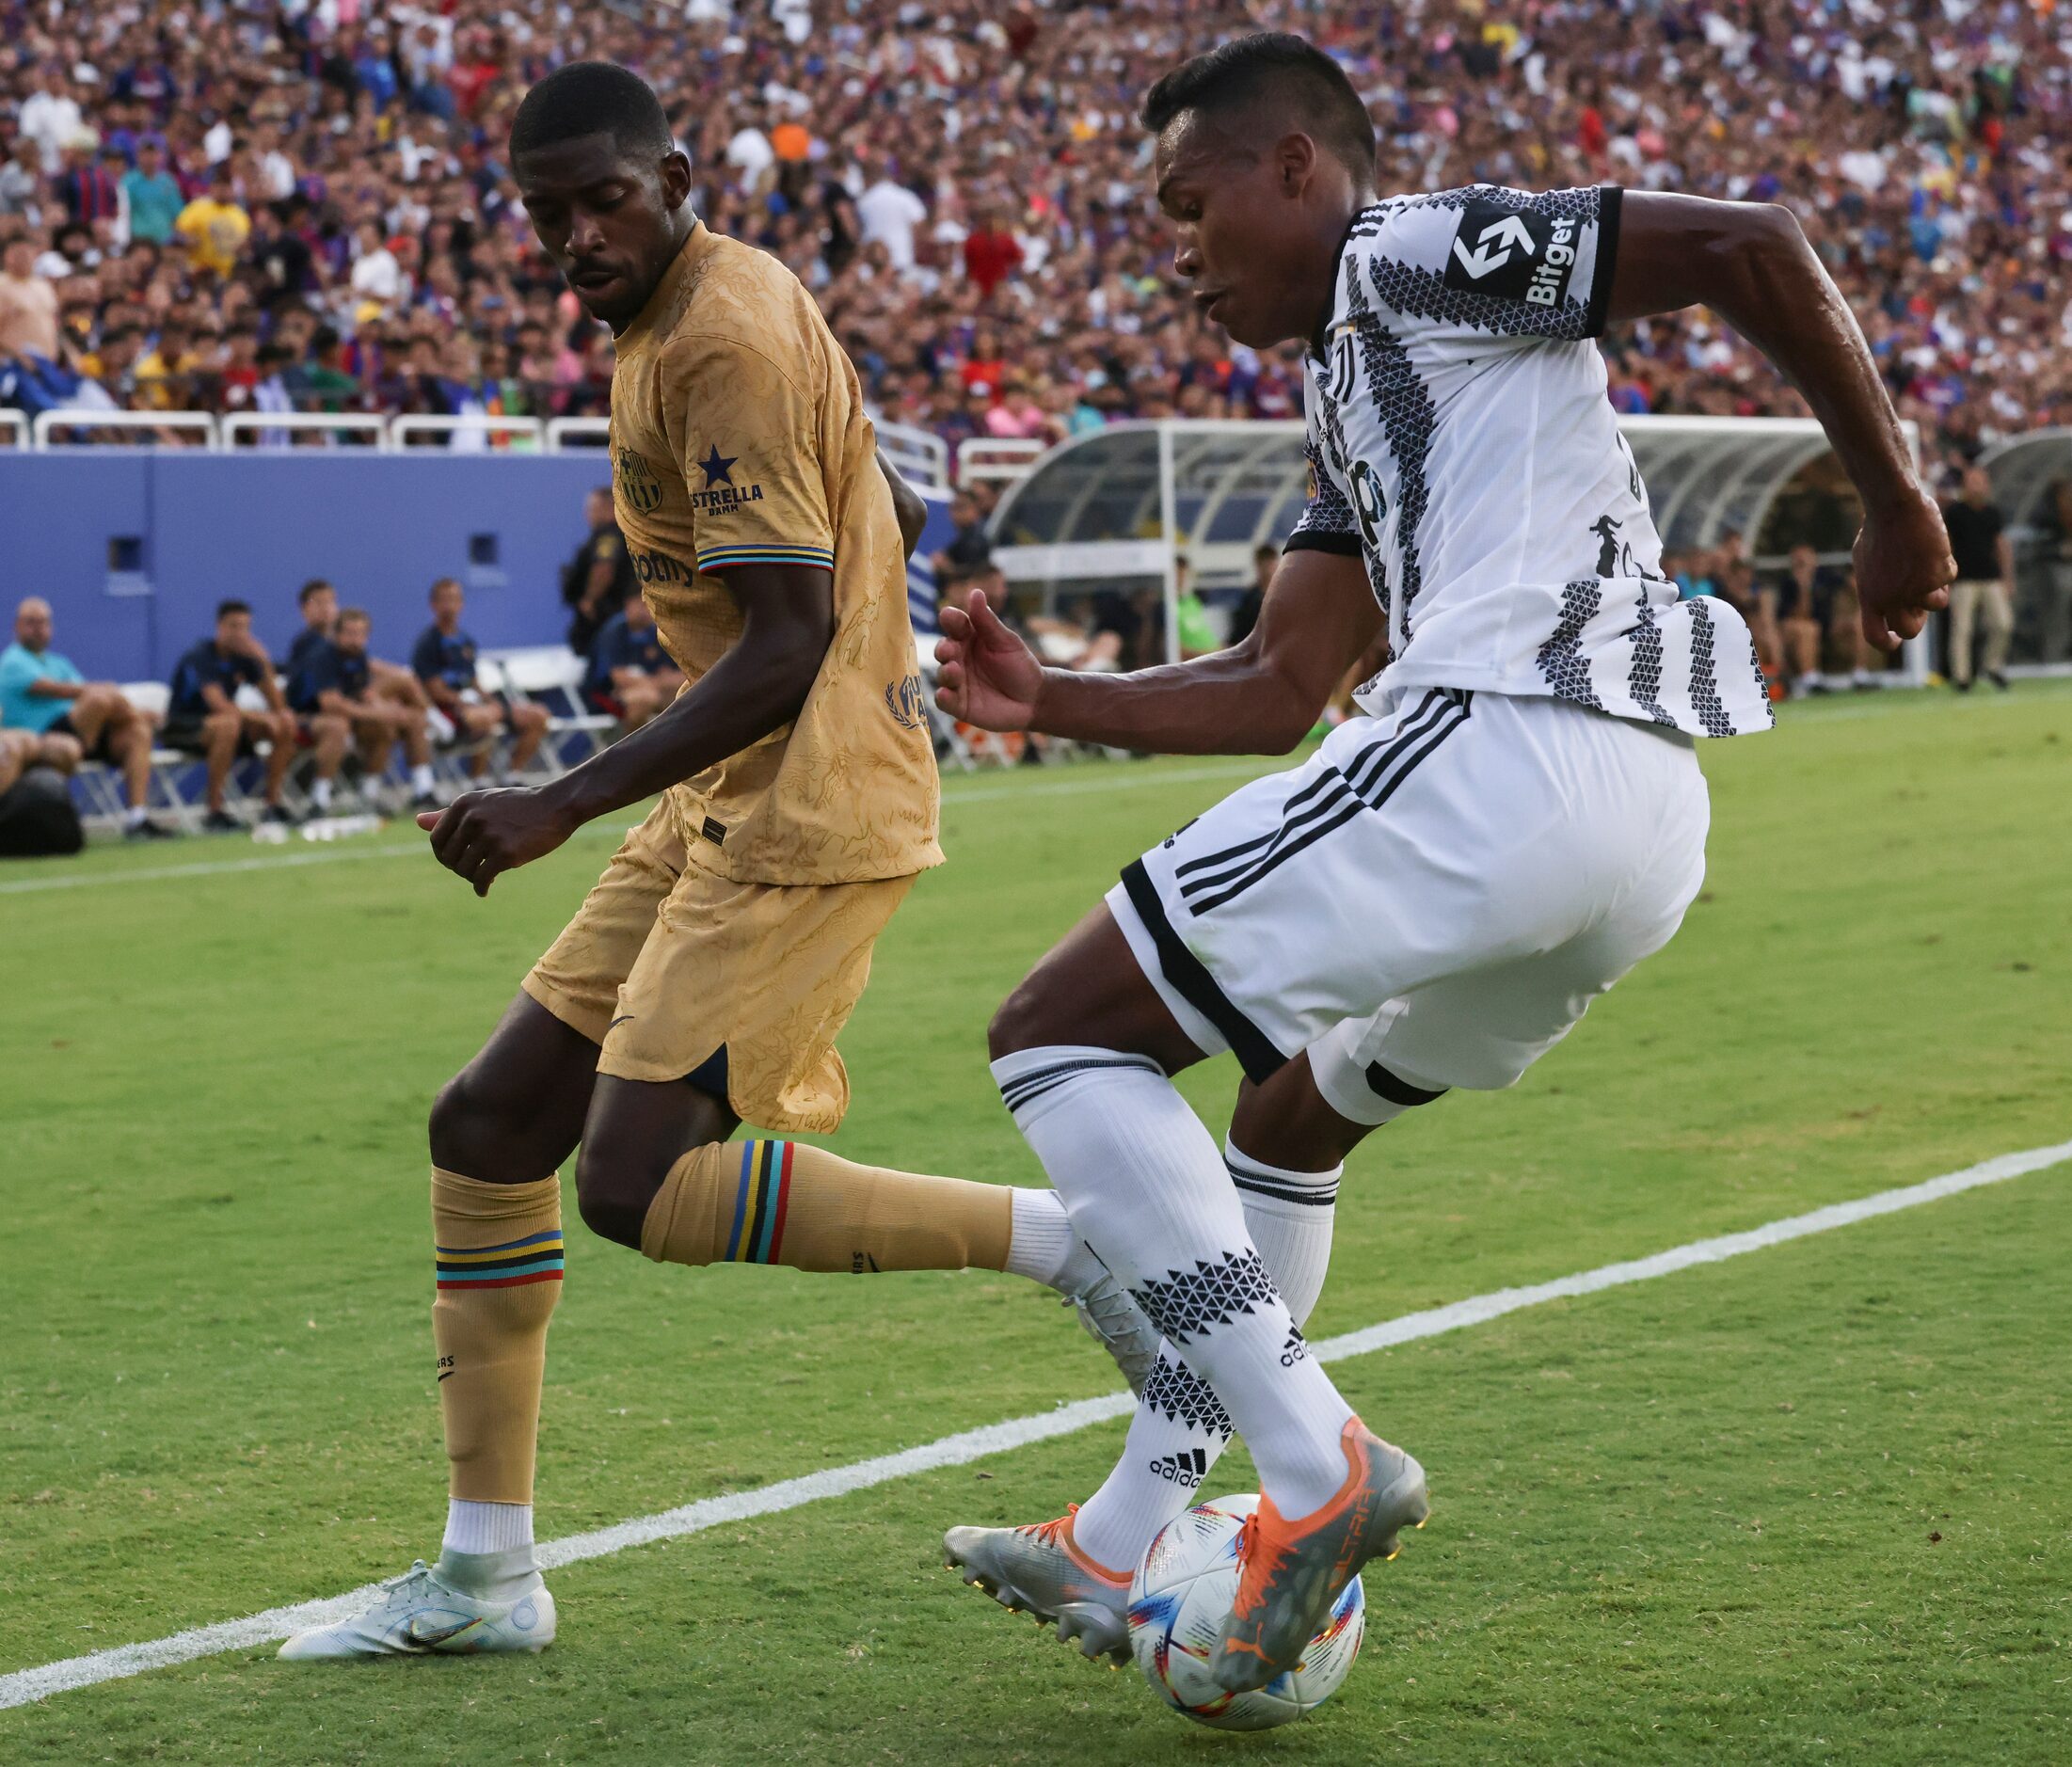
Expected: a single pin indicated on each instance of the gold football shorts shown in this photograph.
(667, 964)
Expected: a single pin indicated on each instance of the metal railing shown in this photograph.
(258, 423)
(561, 431)
(526, 429)
(996, 457)
(921, 457)
(77, 418)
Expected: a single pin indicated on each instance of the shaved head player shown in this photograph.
(703, 982)
(1435, 896)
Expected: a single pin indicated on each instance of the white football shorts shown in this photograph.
(1432, 900)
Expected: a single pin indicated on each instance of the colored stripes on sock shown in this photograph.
(535, 1258)
(759, 1203)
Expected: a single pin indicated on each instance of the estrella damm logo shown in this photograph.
(721, 493)
(907, 701)
(637, 482)
(661, 567)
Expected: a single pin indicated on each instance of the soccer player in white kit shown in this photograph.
(1434, 897)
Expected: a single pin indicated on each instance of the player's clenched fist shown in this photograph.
(482, 833)
(986, 675)
(1904, 568)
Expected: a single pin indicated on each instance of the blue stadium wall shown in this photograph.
(135, 547)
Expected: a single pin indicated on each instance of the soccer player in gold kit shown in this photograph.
(704, 980)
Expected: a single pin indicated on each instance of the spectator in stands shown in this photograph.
(596, 582)
(631, 676)
(1985, 579)
(43, 692)
(1245, 615)
(213, 226)
(335, 679)
(991, 252)
(29, 303)
(443, 659)
(155, 196)
(203, 717)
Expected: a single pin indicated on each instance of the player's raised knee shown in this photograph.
(613, 1194)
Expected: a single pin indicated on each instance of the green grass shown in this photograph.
(1691, 1520)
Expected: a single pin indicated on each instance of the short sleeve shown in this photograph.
(747, 437)
(424, 657)
(1492, 261)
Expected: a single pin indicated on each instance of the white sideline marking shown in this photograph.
(1119, 781)
(27, 1685)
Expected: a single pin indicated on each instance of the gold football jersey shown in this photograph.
(739, 438)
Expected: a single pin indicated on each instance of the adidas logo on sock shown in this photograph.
(1188, 1467)
(1296, 1349)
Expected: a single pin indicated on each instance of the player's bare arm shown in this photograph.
(1750, 263)
(757, 686)
(906, 505)
(1259, 697)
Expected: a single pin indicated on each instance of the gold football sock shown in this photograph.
(498, 1248)
(786, 1203)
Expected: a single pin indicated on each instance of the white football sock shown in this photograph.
(134, 816)
(1148, 1191)
(421, 779)
(320, 793)
(486, 1527)
(1181, 1430)
(1041, 1245)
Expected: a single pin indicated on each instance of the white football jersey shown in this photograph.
(1461, 443)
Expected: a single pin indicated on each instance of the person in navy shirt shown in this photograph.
(631, 677)
(336, 680)
(204, 719)
(443, 659)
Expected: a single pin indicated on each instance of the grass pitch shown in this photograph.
(1809, 1505)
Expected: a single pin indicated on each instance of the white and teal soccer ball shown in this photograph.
(1178, 1600)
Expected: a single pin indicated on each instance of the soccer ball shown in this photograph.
(1178, 1600)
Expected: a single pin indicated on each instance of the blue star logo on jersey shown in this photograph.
(718, 467)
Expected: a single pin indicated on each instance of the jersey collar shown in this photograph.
(1319, 348)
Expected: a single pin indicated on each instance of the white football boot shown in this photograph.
(419, 1615)
(1041, 1570)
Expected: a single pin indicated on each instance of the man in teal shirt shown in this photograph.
(42, 691)
(155, 199)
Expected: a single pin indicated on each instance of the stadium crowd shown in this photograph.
(277, 204)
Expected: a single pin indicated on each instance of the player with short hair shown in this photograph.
(704, 980)
(203, 717)
(443, 660)
(1433, 898)
(335, 679)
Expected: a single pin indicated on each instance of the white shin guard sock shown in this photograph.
(1180, 1429)
(1148, 1191)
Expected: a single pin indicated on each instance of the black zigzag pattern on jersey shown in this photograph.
(1404, 407)
(1644, 680)
(1712, 711)
(1561, 658)
(1581, 204)
(1182, 1396)
(1189, 1302)
(1419, 293)
(1327, 511)
(1334, 437)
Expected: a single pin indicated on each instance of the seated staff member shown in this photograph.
(205, 719)
(443, 660)
(335, 679)
(631, 677)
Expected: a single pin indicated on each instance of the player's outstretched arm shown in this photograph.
(1751, 264)
(757, 686)
(1260, 697)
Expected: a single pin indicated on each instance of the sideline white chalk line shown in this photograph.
(26, 1687)
(1117, 780)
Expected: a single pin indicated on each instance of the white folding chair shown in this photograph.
(551, 676)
